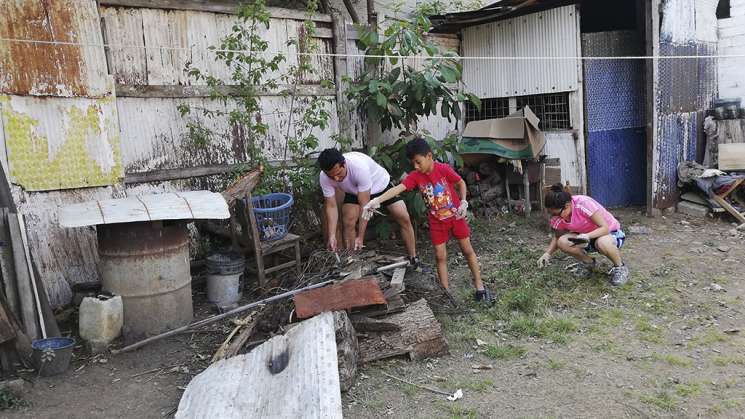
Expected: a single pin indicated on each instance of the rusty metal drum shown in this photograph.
(147, 264)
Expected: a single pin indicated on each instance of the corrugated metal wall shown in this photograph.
(685, 87)
(551, 33)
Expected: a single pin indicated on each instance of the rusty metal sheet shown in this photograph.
(52, 69)
(350, 294)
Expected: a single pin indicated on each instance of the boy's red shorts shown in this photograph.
(439, 231)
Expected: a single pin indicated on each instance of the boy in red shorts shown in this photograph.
(437, 183)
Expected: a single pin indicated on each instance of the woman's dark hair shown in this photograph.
(329, 158)
(557, 197)
(417, 147)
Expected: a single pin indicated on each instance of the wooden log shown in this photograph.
(347, 349)
(178, 91)
(420, 336)
(231, 347)
(397, 282)
(364, 324)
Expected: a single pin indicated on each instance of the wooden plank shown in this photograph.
(215, 6)
(178, 91)
(732, 210)
(397, 282)
(350, 294)
(290, 376)
(181, 173)
(420, 336)
(242, 186)
(732, 156)
(7, 270)
(25, 294)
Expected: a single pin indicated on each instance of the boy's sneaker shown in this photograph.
(483, 296)
(584, 270)
(619, 275)
(417, 264)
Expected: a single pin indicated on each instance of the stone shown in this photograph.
(641, 230)
(723, 249)
(100, 321)
(694, 210)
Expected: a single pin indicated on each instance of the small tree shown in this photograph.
(399, 91)
(253, 69)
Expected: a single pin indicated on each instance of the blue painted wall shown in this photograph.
(616, 141)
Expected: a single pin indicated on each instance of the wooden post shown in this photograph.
(341, 69)
(526, 186)
(507, 185)
(25, 294)
(6, 266)
(258, 252)
(541, 185)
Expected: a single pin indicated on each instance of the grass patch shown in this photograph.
(555, 329)
(723, 361)
(673, 360)
(525, 299)
(688, 390)
(9, 401)
(504, 352)
(555, 365)
(480, 386)
(408, 389)
(661, 400)
(648, 332)
(456, 411)
(709, 338)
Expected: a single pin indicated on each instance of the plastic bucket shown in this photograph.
(224, 273)
(52, 356)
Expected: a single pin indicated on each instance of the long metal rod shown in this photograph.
(215, 318)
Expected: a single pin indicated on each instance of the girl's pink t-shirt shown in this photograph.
(583, 208)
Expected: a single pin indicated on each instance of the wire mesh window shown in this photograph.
(551, 108)
(497, 107)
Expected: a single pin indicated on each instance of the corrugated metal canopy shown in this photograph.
(167, 206)
(503, 9)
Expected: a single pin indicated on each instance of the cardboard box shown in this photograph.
(515, 137)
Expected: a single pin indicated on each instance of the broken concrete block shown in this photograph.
(101, 320)
(694, 210)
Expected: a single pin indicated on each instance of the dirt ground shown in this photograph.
(667, 344)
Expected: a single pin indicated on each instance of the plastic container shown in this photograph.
(100, 321)
(224, 274)
(272, 213)
(51, 356)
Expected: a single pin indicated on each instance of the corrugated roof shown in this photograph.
(503, 9)
(167, 206)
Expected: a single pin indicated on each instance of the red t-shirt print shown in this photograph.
(437, 190)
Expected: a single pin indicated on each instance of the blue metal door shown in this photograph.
(616, 140)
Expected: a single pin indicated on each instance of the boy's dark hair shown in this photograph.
(557, 197)
(329, 158)
(417, 147)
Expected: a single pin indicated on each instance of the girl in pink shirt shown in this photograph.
(583, 226)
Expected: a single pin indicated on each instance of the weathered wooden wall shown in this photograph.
(82, 122)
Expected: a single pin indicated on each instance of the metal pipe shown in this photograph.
(215, 318)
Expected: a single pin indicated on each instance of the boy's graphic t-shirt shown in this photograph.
(437, 190)
(580, 222)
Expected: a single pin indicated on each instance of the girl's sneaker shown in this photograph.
(619, 275)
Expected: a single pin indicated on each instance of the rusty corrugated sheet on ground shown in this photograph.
(350, 294)
(51, 69)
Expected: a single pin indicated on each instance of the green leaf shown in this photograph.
(450, 75)
(380, 100)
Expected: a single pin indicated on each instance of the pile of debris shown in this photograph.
(351, 312)
(486, 187)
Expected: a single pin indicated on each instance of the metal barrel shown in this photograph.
(147, 264)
